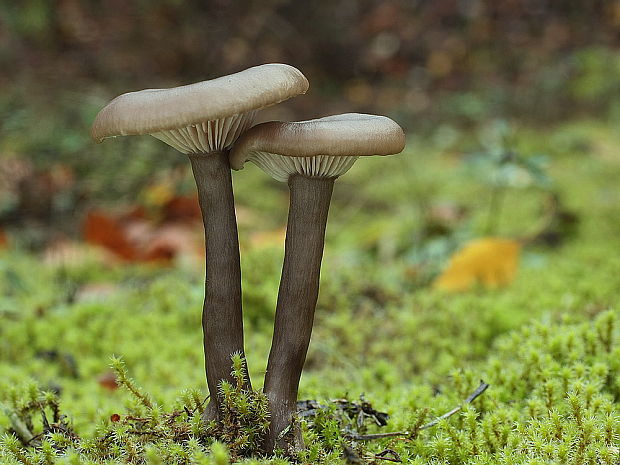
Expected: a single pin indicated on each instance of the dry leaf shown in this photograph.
(133, 237)
(490, 261)
(108, 232)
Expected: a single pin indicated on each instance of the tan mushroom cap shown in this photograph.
(180, 115)
(323, 147)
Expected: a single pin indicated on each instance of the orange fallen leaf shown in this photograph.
(490, 262)
(135, 238)
(109, 233)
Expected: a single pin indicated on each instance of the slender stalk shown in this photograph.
(222, 320)
(299, 288)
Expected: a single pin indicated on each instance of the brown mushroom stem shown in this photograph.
(222, 320)
(297, 297)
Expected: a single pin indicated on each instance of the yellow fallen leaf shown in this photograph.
(490, 261)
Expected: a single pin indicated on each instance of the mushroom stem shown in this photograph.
(222, 320)
(297, 297)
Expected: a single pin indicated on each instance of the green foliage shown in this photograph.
(122, 377)
(244, 415)
(552, 399)
(147, 433)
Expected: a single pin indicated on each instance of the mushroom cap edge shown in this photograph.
(347, 134)
(154, 110)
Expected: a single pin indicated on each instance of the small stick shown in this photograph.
(389, 459)
(474, 395)
(384, 456)
(477, 393)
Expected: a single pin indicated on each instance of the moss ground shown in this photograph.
(548, 344)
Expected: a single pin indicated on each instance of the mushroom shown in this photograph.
(203, 120)
(309, 156)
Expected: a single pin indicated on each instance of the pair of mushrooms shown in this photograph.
(211, 122)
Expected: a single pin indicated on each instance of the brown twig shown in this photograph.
(384, 456)
(389, 459)
(474, 395)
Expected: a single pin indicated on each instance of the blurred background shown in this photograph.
(481, 88)
(437, 67)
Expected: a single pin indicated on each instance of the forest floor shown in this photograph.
(543, 335)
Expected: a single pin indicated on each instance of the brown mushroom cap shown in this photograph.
(323, 147)
(188, 108)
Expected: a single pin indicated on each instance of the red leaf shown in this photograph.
(138, 239)
(109, 233)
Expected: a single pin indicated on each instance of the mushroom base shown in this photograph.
(297, 297)
(222, 320)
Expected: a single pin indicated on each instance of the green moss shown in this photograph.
(553, 399)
